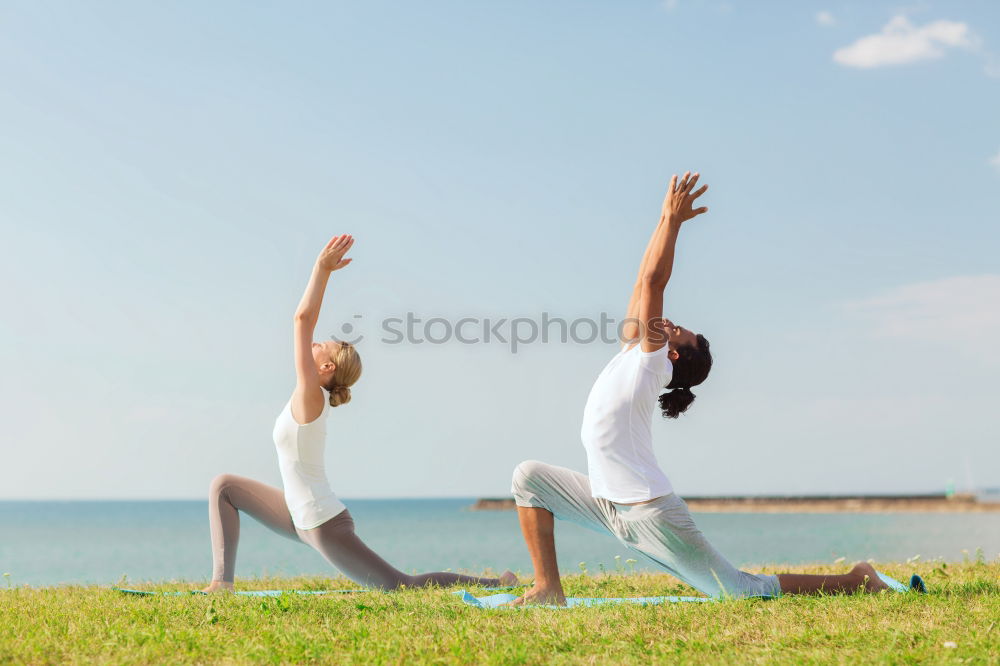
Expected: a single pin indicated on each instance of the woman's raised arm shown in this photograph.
(307, 400)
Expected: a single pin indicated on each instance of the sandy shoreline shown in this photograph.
(847, 504)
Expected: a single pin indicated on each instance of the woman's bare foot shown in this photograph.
(868, 577)
(539, 595)
(218, 586)
(508, 579)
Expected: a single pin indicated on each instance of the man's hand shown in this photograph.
(677, 206)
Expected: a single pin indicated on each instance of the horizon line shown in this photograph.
(986, 490)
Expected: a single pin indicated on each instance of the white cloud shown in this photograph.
(670, 5)
(900, 42)
(965, 308)
(825, 18)
(995, 160)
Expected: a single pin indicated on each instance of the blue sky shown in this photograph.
(169, 171)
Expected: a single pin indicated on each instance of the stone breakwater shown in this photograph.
(809, 504)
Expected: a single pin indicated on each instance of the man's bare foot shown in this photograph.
(508, 579)
(541, 595)
(218, 586)
(868, 577)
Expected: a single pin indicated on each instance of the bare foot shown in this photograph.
(218, 586)
(542, 596)
(869, 577)
(508, 579)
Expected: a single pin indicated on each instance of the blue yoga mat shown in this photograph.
(245, 593)
(916, 583)
(498, 600)
(259, 593)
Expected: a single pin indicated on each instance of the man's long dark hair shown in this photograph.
(690, 369)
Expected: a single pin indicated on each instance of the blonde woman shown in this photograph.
(308, 510)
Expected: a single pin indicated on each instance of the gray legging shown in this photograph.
(335, 539)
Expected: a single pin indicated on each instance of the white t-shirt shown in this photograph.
(617, 427)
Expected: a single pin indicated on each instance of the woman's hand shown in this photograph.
(677, 206)
(332, 257)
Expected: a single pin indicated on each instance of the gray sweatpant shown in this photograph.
(335, 539)
(662, 531)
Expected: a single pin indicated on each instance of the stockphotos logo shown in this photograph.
(513, 332)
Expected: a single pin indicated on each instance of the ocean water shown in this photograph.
(49, 543)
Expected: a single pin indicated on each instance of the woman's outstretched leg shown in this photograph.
(442, 578)
(862, 576)
(227, 496)
(337, 542)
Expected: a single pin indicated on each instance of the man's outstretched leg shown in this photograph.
(538, 528)
(861, 577)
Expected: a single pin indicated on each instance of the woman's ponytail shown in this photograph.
(339, 395)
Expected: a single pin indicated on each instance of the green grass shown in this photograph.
(96, 624)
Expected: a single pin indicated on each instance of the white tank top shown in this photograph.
(308, 495)
(617, 427)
